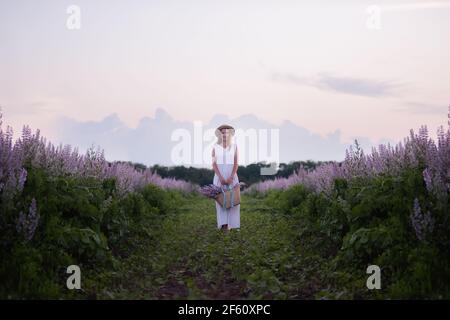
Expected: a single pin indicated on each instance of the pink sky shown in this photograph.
(314, 63)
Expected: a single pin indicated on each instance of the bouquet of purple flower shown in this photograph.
(227, 196)
(210, 191)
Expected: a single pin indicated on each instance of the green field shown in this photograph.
(186, 256)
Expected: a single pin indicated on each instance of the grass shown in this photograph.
(187, 257)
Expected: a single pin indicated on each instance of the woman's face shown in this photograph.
(225, 134)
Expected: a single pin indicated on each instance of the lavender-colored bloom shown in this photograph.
(427, 179)
(22, 179)
(211, 190)
(63, 160)
(27, 224)
(423, 224)
(415, 151)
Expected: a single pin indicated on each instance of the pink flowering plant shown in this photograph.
(58, 207)
(389, 207)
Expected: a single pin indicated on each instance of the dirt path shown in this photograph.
(190, 259)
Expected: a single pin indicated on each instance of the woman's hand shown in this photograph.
(222, 180)
(229, 180)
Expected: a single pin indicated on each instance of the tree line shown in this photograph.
(248, 174)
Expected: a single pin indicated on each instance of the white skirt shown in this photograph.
(231, 216)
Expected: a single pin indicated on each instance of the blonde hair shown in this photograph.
(219, 139)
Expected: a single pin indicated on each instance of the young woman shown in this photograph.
(225, 165)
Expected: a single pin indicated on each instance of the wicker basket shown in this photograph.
(232, 196)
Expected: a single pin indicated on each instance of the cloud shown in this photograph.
(423, 108)
(415, 6)
(31, 108)
(347, 85)
(150, 142)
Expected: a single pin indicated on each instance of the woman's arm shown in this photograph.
(215, 168)
(235, 167)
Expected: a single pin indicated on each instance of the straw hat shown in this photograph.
(224, 126)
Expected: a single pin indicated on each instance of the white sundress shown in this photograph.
(225, 162)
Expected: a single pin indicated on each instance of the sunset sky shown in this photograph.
(314, 63)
